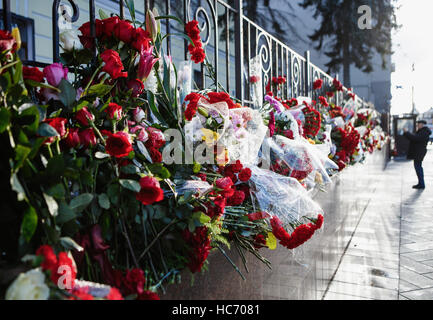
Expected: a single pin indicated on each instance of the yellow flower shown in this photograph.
(311, 141)
(271, 241)
(17, 36)
(209, 136)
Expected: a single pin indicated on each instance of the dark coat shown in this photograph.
(418, 143)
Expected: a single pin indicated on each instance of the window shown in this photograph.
(27, 31)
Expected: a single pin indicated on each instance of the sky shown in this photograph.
(413, 44)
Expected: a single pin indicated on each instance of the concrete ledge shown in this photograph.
(303, 273)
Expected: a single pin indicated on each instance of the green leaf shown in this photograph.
(32, 113)
(55, 167)
(36, 84)
(102, 14)
(170, 17)
(18, 72)
(80, 202)
(29, 223)
(21, 153)
(130, 169)
(57, 191)
(65, 213)
(99, 89)
(103, 201)
(70, 244)
(68, 94)
(5, 118)
(130, 185)
(45, 130)
(53, 207)
(131, 8)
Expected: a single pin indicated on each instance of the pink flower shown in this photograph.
(146, 63)
(139, 114)
(114, 111)
(55, 73)
(140, 133)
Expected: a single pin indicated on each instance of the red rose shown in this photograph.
(245, 174)
(140, 40)
(114, 111)
(7, 42)
(150, 192)
(72, 140)
(113, 64)
(109, 24)
(224, 183)
(87, 137)
(118, 145)
(86, 39)
(137, 87)
(83, 116)
(124, 31)
(33, 74)
(58, 124)
(156, 138)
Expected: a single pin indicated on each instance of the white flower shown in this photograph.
(70, 40)
(151, 82)
(29, 286)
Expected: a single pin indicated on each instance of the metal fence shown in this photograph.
(234, 44)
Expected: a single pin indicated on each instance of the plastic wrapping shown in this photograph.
(197, 186)
(282, 196)
(244, 135)
(256, 81)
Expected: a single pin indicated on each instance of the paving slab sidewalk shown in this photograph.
(394, 259)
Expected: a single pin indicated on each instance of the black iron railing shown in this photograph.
(226, 34)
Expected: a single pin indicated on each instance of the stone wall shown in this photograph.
(303, 273)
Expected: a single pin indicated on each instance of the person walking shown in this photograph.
(418, 149)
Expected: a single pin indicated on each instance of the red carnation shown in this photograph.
(150, 192)
(192, 107)
(148, 295)
(236, 199)
(118, 145)
(134, 281)
(216, 206)
(245, 174)
(155, 155)
(224, 183)
(50, 258)
(113, 64)
(317, 84)
(114, 294)
(199, 243)
(259, 241)
(258, 216)
(214, 97)
(64, 267)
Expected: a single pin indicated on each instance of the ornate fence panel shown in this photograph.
(236, 47)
